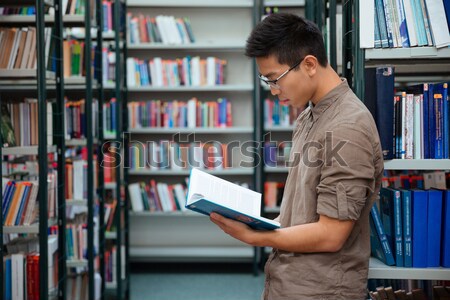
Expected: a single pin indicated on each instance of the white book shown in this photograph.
(422, 146)
(192, 113)
(195, 71)
(211, 70)
(135, 197)
(163, 30)
(158, 79)
(49, 123)
(367, 25)
(13, 55)
(409, 126)
(403, 144)
(438, 22)
(407, 5)
(180, 196)
(163, 197)
(78, 182)
(18, 276)
(131, 69)
(208, 193)
(417, 127)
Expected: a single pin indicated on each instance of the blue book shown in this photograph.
(398, 228)
(403, 27)
(434, 228)
(379, 6)
(407, 228)
(442, 89)
(419, 228)
(386, 254)
(8, 281)
(447, 11)
(431, 121)
(208, 193)
(445, 250)
(387, 214)
(27, 189)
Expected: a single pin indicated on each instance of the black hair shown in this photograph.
(288, 37)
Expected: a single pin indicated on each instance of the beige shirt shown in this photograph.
(336, 169)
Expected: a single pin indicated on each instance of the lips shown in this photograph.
(284, 100)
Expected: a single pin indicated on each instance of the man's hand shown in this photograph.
(236, 229)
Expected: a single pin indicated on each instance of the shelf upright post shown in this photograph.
(42, 150)
(125, 173)
(258, 121)
(101, 179)
(347, 60)
(118, 95)
(90, 154)
(358, 55)
(333, 27)
(61, 149)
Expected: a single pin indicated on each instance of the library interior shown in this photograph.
(126, 123)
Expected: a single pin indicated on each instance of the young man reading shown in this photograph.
(322, 249)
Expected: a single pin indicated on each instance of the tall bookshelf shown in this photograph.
(220, 30)
(36, 80)
(430, 65)
(116, 237)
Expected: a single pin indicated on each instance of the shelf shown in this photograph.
(407, 53)
(28, 150)
(71, 202)
(69, 20)
(109, 136)
(276, 169)
(110, 185)
(24, 3)
(111, 285)
(417, 164)
(108, 35)
(194, 46)
(170, 172)
(214, 130)
(109, 235)
(34, 228)
(285, 3)
(219, 88)
(272, 210)
(279, 128)
(378, 270)
(21, 73)
(165, 214)
(76, 263)
(78, 142)
(192, 3)
(174, 253)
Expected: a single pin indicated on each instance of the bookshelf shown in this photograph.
(233, 21)
(430, 65)
(39, 151)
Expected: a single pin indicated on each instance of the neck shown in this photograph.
(328, 80)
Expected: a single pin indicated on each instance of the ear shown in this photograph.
(311, 65)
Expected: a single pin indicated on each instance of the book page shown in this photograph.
(225, 193)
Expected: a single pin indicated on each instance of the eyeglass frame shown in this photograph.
(273, 83)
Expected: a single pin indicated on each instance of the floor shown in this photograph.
(201, 281)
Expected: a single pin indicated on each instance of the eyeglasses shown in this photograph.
(273, 83)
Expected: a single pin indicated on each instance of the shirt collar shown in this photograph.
(318, 109)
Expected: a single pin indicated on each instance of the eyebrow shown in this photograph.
(269, 74)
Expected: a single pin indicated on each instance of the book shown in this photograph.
(208, 193)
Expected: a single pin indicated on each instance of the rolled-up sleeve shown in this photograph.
(348, 173)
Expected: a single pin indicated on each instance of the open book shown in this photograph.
(208, 193)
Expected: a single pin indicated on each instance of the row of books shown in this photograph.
(109, 117)
(414, 180)
(19, 123)
(381, 293)
(190, 114)
(413, 123)
(21, 268)
(110, 209)
(108, 65)
(410, 23)
(411, 228)
(186, 71)
(157, 196)
(20, 202)
(273, 193)
(111, 264)
(76, 241)
(73, 53)
(76, 185)
(277, 154)
(279, 114)
(76, 119)
(159, 29)
(166, 155)
(19, 46)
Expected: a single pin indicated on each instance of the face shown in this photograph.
(295, 87)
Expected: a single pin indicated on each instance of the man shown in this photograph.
(322, 249)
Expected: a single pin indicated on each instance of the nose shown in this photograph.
(274, 91)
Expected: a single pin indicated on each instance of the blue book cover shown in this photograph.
(419, 228)
(387, 257)
(439, 124)
(387, 214)
(382, 23)
(434, 228)
(431, 121)
(208, 193)
(403, 27)
(398, 228)
(447, 11)
(385, 109)
(377, 38)
(445, 250)
(8, 281)
(442, 89)
(407, 228)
